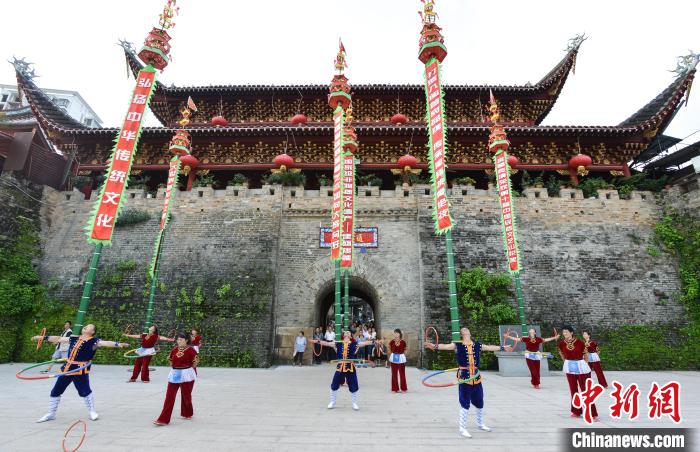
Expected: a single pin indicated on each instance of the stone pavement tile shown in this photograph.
(284, 408)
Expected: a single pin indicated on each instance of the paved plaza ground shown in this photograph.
(284, 408)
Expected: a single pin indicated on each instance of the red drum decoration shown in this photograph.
(156, 49)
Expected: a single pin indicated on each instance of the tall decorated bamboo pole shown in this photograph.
(348, 234)
(101, 225)
(498, 145)
(432, 52)
(339, 100)
(180, 147)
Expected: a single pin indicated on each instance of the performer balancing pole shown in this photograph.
(338, 100)
(432, 52)
(498, 144)
(338, 318)
(155, 53)
(346, 309)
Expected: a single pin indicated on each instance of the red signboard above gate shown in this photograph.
(364, 237)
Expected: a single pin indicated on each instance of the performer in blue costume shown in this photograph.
(80, 352)
(345, 371)
(468, 354)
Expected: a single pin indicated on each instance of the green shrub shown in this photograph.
(466, 180)
(287, 178)
(591, 185)
(131, 216)
(238, 179)
(371, 180)
(553, 186)
(485, 296)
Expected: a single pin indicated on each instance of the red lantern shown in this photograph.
(298, 119)
(580, 162)
(512, 161)
(188, 163)
(407, 162)
(219, 121)
(399, 119)
(283, 161)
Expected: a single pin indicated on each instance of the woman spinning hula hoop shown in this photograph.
(145, 352)
(468, 355)
(532, 352)
(345, 371)
(81, 350)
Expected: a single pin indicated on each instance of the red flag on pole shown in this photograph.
(190, 104)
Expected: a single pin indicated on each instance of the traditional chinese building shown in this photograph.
(255, 123)
(255, 254)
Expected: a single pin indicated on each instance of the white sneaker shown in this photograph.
(355, 407)
(484, 427)
(464, 433)
(94, 416)
(47, 417)
(331, 405)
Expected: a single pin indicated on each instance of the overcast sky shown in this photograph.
(625, 63)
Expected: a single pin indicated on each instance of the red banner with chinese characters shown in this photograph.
(436, 151)
(507, 210)
(337, 212)
(110, 200)
(348, 209)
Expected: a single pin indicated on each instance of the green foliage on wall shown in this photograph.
(131, 216)
(485, 296)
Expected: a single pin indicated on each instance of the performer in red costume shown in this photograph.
(573, 352)
(532, 352)
(145, 352)
(594, 358)
(398, 362)
(182, 376)
(195, 339)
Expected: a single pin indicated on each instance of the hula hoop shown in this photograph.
(320, 350)
(20, 373)
(82, 439)
(40, 342)
(136, 355)
(515, 341)
(128, 328)
(445, 385)
(425, 336)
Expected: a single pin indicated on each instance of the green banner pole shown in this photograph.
(87, 290)
(346, 310)
(154, 284)
(337, 301)
(452, 287)
(521, 304)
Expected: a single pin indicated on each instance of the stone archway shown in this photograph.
(361, 293)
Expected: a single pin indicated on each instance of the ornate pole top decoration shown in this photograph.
(339, 88)
(349, 134)
(339, 62)
(494, 111)
(156, 48)
(497, 138)
(170, 10)
(431, 43)
(428, 16)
